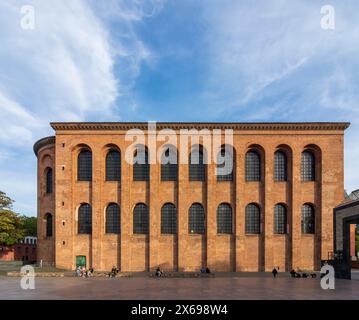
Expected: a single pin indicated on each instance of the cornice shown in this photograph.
(201, 125)
(42, 143)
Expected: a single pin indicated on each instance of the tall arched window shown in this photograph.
(280, 166)
(253, 219)
(141, 167)
(169, 219)
(49, 180)
(280, 219)
(197, 167)
(113, 166)
(224, 219)
(113, 219)
(308, 166)
(140, 219)
(308, 219)
(253, 166)
(85, 219)
(169, 168)
(84, 166)
(225, 164)
(48, 225)
(196, 222)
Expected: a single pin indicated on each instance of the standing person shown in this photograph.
(274, 272)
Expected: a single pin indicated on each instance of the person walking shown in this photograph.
(274, 272)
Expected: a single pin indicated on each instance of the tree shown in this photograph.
(30, 226)
(11, 226)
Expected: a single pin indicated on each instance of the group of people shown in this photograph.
(295, 274)
(205, 270)
(83, 273)
(114, 272)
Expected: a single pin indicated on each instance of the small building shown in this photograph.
(25, 251)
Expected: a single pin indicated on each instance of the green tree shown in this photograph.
(30, 226)
(11, 226)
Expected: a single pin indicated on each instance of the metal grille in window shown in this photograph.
(252, 219)
(308, 219)
(113, 166)
(84, 166)
(140, 219)
(280, 166)
(280, 219)
(169, 219)
(49, 225)
(113, 219)
(225, 169)
(197, 168)
(141, 168)
(196, 219)
(308, 166)
(85, 219)
(224, 219)
(253, 166)
(49, 180)
(169, 170)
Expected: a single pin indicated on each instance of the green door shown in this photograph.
(80, 261)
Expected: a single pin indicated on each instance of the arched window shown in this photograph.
(85, 219)
(197, 167)
(169, 168)
(280, 166)
(308, 166)
(196, 219)
(169, 219)
(140, 219)
(48, 225)
(224, 219)
(113, 221)
(308, 219)
(49, 180)
(253, 219)
(280, 219)
(141, 167)
(84, 166)
(253, 166)
(113, 166)
(225, 164)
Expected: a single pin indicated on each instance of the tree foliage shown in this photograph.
(13, 228)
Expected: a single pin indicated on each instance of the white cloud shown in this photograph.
(69, 68)
(272, 61)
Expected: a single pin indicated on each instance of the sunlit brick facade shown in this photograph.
(248, 225)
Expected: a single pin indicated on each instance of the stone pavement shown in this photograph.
(253, 287)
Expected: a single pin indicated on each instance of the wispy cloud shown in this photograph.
(71, 67)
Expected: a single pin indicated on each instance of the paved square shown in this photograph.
(253, 287)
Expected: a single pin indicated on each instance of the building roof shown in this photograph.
(201, 125)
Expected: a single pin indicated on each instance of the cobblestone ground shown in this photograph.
(178, 289)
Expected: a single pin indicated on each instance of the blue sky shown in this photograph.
(168, 60)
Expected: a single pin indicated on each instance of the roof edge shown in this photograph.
(201, 125)
(42, 143)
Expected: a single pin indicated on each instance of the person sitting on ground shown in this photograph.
(274, 272)
(158, 272)
(297, 275)
(292, 273)
(207, 270)
(313, 275)
(304, 275)
(203, 270)
(83, 271)
(78, 271)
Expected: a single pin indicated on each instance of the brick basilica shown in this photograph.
(274, 208)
